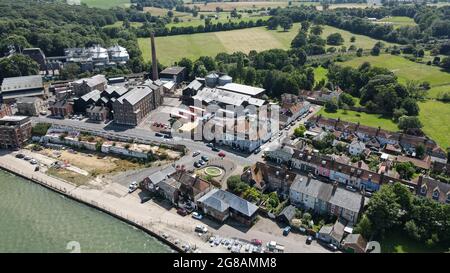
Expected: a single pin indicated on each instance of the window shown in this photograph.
(436, 194)
(423, 190)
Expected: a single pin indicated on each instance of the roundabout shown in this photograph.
(213, 171)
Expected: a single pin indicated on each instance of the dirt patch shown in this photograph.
(69, 176)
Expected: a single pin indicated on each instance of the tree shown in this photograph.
(352, 39)
(300, 40)
(445, 63)
(235, 184)
(286, 23)
(399, 112)
(18, 65)
(331, 105)
(185, 62)
(420, 150)
(405, 169)
(317, 30)
(300, 131)
(17, 42)
(406, 123)
(335, 39)
(364, 227)
(70, 71)
(305, 26)
(383, 210)
(347, 99)
(359, 52)
(411, 107)
(375, 51)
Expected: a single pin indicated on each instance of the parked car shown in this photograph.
(215, 149)
(205, 158)
(286, 230)
(168, 136)
(197, 216)
(257, 150)
(331, 247)
(20, 155)
(201, 229)
(33, 162)
(256, 242)
(221, 154)
(132, 187)
(196, 153)
(197, 165)
(201, 162)
(211, 145)
(158, 134)
(309, 240)
(350, 188)
(182, 212)
(27, 158)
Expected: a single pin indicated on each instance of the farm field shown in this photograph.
(106, 4)
(229, 6)
(172, 48)
(222, 18)
(408, 70)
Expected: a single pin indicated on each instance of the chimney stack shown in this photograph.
(154, 60)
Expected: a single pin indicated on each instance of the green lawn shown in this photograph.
(398, 242)
(435, 116)
(408, 70)
(172, 48)
(363, 118)
(106, 4)
(320, 73)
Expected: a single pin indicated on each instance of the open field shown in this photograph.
(228, 6)
(398, 21)
(361, 41)
(172, 48)
(223, 17)
(408, 70)
(106, 4)
(363, 118)
(435, 116)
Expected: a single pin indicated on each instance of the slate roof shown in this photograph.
(93, 95)
(93, 81)
(135, 95)
(21, 83)
(119, 90)
(174, 70)
(221, 200)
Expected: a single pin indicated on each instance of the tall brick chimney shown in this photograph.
(154, 60)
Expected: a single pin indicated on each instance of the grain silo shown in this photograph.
(212, 80)
(224, 80)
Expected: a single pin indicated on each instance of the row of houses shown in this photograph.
(379, 138)
(181, 187)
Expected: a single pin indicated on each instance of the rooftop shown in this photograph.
(22, 83)
(135, 95)
(243, 89)
(174, 70)
(222, 200)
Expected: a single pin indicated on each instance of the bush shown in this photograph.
(40, 129)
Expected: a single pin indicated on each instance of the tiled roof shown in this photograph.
(221, 200)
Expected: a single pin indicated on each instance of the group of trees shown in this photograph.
(380, 92)
(278, 71)
(394, 207)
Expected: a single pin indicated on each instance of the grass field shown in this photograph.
(106, 4)
(363, 118)
(408, 70)
(435, 116)
(398, 21)
(362, 41)
(172, 48)
(223, 18)
(229, 6)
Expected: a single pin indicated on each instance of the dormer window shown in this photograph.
(423, 190)
(436, 194)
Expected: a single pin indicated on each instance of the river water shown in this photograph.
(35, 219)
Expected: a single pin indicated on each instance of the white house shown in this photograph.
(356, 147)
